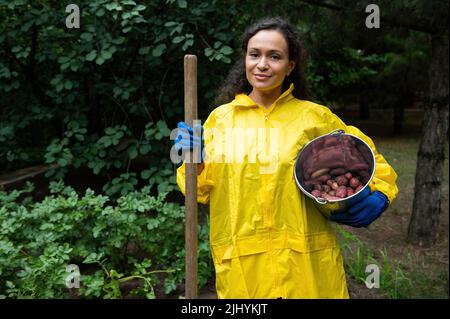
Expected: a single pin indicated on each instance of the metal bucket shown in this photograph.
(328, 207)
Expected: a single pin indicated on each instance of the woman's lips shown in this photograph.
(261, 76)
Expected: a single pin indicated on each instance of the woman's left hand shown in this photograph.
(364, 212)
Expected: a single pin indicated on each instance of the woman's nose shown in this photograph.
(262, 64)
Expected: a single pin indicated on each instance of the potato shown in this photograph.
(341, 192)
(334, 185)
(354, 182)
(358, 188)
(332, 192)
(350, 191)
(330, 197)
(348, 175)
(316, 193)
(317, 187)
(326, 188)
(341, 180)
(330, 182)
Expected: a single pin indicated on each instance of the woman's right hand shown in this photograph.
(187, 141)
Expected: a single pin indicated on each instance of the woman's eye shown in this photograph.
(275, 57)
(253, 55)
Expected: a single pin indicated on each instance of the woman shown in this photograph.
(267, 239)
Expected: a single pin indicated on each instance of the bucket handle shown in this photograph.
(337, 132)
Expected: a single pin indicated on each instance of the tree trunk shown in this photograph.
(423, 226)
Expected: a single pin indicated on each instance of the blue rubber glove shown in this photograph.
(187, 141)
(364, 212)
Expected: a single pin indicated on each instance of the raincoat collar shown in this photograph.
(244, 100)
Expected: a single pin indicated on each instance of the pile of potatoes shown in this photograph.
(337, 183)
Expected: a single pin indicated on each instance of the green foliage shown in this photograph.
(111, 242)
(348, 71)
(120, 72)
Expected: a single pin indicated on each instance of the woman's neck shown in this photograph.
(265, 98)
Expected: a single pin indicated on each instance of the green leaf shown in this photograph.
(182, 4)
(64, 66)
(112, 6)
(100, 12)
(105, 141)
(159, 50)
(132, 152)
(100, 60)
(144, 50)
(119, 40)
(208, 52)
(68, 85)
(178, 39)
(146, 174)
(144, 149)
(110, 130)
(62, 162)
(87, 36)
(226, 50)
(91, 55)
(63, 59)
(97, 169)
(106, 55)
(59, 87)
(75, 65)
(170, 24)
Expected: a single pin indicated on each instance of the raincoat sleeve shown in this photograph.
(204, 180)
(384, 179)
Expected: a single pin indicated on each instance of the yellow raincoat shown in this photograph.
(267, 239)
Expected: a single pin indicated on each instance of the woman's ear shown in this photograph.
(291, 67)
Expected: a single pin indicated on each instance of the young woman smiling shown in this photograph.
(267, 239)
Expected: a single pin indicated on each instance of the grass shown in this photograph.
(393, 282)
(397, 280)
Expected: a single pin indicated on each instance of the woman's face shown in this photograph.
(267, 60)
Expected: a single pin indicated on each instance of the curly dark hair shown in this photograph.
(236, 81)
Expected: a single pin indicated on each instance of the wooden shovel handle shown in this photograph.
(190, 111)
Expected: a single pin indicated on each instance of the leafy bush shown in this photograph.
(71, 91)
(137, 238)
